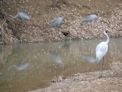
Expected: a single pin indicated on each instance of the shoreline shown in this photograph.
(90, 81)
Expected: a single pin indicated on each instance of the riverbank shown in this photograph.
(38, 29)
(89, 82)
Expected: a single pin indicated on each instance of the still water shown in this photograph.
(26, 67)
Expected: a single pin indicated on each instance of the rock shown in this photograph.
(65, 33)
(2, 15)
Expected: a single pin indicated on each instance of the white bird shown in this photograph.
(102, 48)
(101, 51)
(57, 21)
(89, 18)
(22, 16)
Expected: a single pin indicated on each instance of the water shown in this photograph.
(25, 67)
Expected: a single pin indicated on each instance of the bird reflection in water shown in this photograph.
(89, 59)
(56, 58)
(58, 65)
(19, 67)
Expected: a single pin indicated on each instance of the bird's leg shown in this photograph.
(101, 70)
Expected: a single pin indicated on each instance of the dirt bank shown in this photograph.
(90, 82)
(38, 29)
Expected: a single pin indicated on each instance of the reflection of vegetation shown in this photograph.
(3, 85)
(1, 50)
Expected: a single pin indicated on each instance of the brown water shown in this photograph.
(25, 67)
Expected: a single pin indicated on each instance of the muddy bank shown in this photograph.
(89, 82)
(38, 28)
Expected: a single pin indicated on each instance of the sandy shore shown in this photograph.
(111, 81)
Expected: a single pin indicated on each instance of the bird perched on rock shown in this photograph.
(22, 16)
(89, 18)
(57, 21)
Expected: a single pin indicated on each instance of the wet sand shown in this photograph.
(111, 81)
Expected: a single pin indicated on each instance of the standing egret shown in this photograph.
(102, 49)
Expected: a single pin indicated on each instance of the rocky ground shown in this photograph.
(111, 81)
(38, 29)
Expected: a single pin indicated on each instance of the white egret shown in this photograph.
(102, 48)
(101, 51)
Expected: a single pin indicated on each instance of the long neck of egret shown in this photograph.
(107, 40)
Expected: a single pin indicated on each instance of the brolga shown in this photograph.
(89, 18)
(101, 50)
(22, 16)
(57, 21)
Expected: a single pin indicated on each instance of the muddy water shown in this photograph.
(30, 66)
